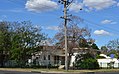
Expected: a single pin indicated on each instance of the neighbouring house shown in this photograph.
(108, 62)
(54, 56)
(49, 55)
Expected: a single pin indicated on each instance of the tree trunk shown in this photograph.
(2, 59)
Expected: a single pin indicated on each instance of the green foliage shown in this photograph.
(5, 43)
(89, 64)
(104, 50)
(100, 57)
(83, 43)
(86, 61)
(94, 46)
(113, 52)
(41, 66)
(25, 40)
(112, 47)
(19, 40)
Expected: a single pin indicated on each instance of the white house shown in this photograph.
(108, 62)
(49, 55)
(54, 56)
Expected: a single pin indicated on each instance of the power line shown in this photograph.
(99, 25)
(92, 23)
(20, 1)
(87, 22)
(14, 2)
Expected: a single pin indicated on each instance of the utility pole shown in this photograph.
(65, 28)
(65, 17)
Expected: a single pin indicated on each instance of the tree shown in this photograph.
(26, 39)
(112, 47)
(77, 38)
(5, 43)
(113, 44)
(94, 46)
(18, 41)
(104, 50)
(113, 52)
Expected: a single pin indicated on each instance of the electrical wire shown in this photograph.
(100, 26)
(92, 23)
(14, 2)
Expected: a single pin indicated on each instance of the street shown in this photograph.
(16, 72)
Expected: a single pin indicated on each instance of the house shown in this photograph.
(54, 56)
(108, 62)
(49, 55)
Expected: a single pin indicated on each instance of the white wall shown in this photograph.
(104, 62)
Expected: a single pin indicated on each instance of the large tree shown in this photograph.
(104, 50)
(113, 44)
(76, 37)
(22, 39)
(5, 43)
(25, 40)
(112, 47)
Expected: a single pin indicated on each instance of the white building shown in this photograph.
(108, 62)
(54, 56)
(49, 55)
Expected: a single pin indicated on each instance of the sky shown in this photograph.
(101, 16)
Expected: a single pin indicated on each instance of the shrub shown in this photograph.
(43, 66)
(100, 57)
(86, 61)
(89, 64)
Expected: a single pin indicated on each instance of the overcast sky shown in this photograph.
(101, 16)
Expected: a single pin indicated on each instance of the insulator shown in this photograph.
(59, 1)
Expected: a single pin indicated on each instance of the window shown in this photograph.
(44, 58)
(48, 57)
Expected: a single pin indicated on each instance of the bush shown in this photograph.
(100, 57)
(86, 61)
(89, 64)
(43, 66)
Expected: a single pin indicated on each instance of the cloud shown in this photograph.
(98, 4)
(76, 7)
(52, 28)
(89, 5)
(101, 32)
(117, 4)
(108, 22)
(37, 26)
(12, 10)
(41, 5)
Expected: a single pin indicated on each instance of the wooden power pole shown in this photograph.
(65, 17)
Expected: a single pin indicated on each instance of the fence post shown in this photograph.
(118, 65)
(101, 64)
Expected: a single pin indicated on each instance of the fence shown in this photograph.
(109, 65)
